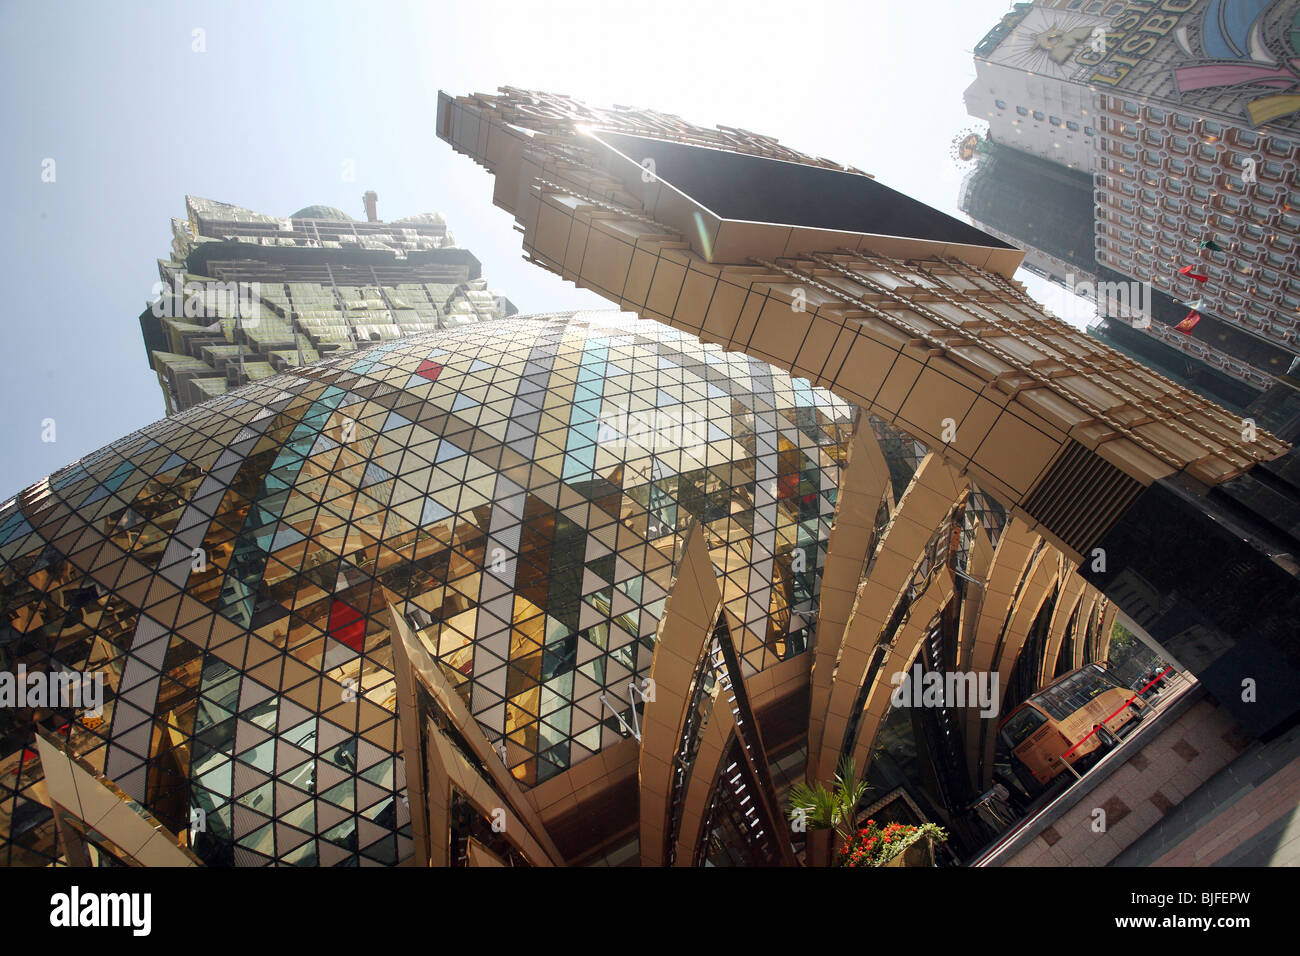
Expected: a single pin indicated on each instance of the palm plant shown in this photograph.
(825, 809)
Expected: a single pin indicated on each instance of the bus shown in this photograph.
(1077, 717)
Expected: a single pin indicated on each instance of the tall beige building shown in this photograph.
(912, 316)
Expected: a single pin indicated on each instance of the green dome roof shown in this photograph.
(321, 212)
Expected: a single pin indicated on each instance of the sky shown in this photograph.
(267, 104)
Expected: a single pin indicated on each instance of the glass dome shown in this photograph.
(518, 489)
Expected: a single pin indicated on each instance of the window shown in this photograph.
(1278, 147)
(1021, 724)
(1000, 104)
(1071, 694)
(1155, 115)
(1210, 128)
(1021, 111)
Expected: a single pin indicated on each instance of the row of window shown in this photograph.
(1284, 320)
(1269, 175)
(1245, 253)
(1040, 116)
(1152, 262)
(1182, 123)
(1243, 276)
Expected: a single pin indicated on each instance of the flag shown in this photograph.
(1187, 271)
(1188, 323)
(1211, 245)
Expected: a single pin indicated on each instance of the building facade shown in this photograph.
(1191, 154)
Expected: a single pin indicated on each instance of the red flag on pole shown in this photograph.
(1187, 271)
(1188, 323)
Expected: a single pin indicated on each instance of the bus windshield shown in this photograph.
(1022, 723)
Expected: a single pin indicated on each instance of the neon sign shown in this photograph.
(1132, 35)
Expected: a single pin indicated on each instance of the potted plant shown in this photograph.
(819, 808)
(895, 844)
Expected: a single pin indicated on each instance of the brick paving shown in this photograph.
(1248, 814)
(1095, 821)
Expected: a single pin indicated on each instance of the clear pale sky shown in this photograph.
(285, 92)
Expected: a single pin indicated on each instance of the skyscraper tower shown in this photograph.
(244, 295)
(1175, 114)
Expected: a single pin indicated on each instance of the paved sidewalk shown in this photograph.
(1248, 814)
